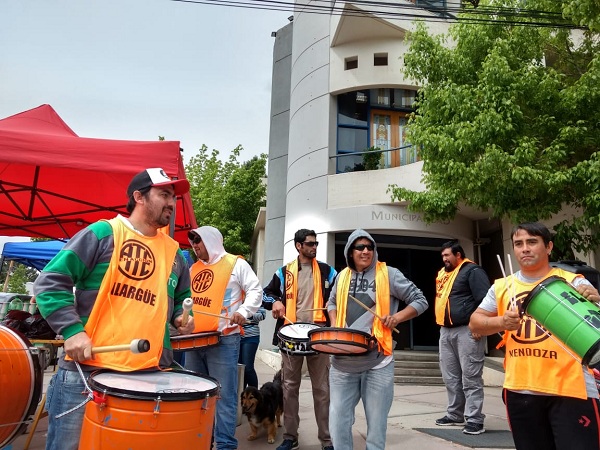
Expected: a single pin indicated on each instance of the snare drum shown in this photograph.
(293, 338)
(340, 341)
(194, 341)
(149, 410)
(22, 379)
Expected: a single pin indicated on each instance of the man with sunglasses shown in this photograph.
(369, 377)
(298, 292)
(226, 292)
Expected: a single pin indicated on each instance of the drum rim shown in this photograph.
(297, 323)
(201, 334)
(35, 388)
(593, 350)
(153, 396)
(359, 332)
(538, 287)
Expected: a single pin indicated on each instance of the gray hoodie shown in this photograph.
(362, 286)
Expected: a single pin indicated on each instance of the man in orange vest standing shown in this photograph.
(460, 287)
(222, 285)
(125, 269)
(299, 291)
(551, 399)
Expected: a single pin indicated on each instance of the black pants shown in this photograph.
(550, 422)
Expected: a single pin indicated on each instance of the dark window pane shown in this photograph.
(350, 163)
(352, 109)
(352, 139)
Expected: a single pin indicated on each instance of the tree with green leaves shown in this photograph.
(508, 116)
(18, 275)
(228, 194)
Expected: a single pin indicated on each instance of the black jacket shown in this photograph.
(470, 287)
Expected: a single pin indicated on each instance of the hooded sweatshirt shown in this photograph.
(362, 287)
(243, 293)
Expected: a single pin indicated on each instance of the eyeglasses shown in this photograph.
(311, 243)
(361, 247)
(194, 238)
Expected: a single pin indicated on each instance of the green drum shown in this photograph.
(567, 314)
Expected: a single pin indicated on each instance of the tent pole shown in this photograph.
(10, 266)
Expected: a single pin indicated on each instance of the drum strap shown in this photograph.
(90, 395)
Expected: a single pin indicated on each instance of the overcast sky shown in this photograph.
(137, 69)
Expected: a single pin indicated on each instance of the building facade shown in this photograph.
(338, 90)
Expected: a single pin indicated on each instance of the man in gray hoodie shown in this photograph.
(369, 376)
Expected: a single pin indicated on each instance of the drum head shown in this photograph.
(298, 330)
(176, 385)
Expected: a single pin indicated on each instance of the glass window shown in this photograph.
(349, 162)
(352, 139)
(352, 109)
(380, 97)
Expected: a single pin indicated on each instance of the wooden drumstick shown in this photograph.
(214, 315)
(312, 309)
(187, 307)
(283, 315)
(136, 346)
(370, 310)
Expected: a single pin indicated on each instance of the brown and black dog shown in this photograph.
(264, 407)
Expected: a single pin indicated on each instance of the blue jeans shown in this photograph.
(220, 362)
(65, 391)
(376, 389)
(248, 348)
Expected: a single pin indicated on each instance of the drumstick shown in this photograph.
(136, 346)
(512, 305)
(283, 315)
(312, 309)
(512, 282)
(187, 307)
(214, 315)
(370, 310)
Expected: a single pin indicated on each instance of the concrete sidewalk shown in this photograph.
(414, 406)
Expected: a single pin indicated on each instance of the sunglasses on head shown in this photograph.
(194, 238)
(311, 243)
(361, 247)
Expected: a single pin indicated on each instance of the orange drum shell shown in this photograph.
(339, 341)
(21, 383)
(195, 340)
(124, 423)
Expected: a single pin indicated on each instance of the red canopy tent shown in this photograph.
(53, 183)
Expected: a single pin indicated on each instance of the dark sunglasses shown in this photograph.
(311, 243)
(194, 238)
(361, 247)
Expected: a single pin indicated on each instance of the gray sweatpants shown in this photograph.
(461, 363)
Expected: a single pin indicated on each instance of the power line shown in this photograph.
(485, 15)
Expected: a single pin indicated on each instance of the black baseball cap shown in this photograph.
(155, 177)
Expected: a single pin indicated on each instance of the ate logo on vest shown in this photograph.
(203, 280)
(289, 280)
(529, 332)
(136, 260)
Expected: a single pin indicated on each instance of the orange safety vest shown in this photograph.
(443, 287)
(534, 360)
(291, 291)
(382, 304)
(209, 283)
(132, 301)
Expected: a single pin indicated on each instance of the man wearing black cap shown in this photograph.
(115, 281)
